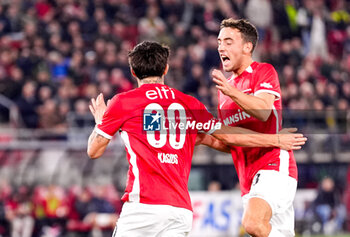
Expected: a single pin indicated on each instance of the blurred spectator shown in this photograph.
(286, 18)
(27, 103)
(194, 80)
(44, 94)
(347, 42)
(82, 117)
(53, 120)
(212, 16)
(119, 81)
(339, 20)
(50, 209)
(74, 68)
(11, 86)
(318, 41)
(59, 66)
(211, 56)
(152, 27)
(19, 210)
(347, 198)
(214, 186)
(238, 7)
(259, 13)
(328, 207)
(304, 21)
(83, 203)
(107, 90)
(94, 210)
(5, 196)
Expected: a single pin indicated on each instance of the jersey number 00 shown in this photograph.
(173, 124)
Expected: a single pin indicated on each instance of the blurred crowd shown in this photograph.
(57, 54)
(54, 211)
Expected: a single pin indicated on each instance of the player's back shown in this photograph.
(154, 123)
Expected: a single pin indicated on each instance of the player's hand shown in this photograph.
(289, 140)
(288, 130)
(98, 108)
(222, 83)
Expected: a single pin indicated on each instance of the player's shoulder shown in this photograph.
(124, 98)
(128, 94)
(265, 71)
(184, 96)
(261, 66)
(180, 93)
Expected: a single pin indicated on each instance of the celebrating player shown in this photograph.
(159, 126)
(251, 98)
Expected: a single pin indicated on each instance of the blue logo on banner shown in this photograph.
(152, 121)
(218, 217)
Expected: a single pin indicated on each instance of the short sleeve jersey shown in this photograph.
(257, 78)
(158, 125)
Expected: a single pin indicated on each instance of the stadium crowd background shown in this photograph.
(57, 54)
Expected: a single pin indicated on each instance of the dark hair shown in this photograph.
(247, 29)
(149, 59)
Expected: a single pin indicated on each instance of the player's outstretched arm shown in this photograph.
(97, 144)
(237, 136)
(210, 141)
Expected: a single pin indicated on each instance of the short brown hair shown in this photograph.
(149, 59)
(247, 29)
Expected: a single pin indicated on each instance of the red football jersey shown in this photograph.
(158, 125)
(257, 78)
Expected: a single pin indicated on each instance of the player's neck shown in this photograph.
(243, 66)
(150, 80)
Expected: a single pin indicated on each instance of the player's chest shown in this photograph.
(242, 84)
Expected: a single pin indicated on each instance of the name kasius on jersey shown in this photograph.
(168, 158)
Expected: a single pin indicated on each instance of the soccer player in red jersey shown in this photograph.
(251, 98)
(159, 127)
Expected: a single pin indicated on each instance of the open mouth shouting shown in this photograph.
(225, 60)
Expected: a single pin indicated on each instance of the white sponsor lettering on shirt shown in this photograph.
(266, 85)
(235, 118)
(160, 93)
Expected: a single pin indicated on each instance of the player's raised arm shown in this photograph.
(244, 137)
(97, 144)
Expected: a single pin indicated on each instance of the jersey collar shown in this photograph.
(249, 70)
(151, 85)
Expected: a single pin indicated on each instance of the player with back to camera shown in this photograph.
(157, 201)
(251, 98)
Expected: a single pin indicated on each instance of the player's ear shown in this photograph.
(166, 69)
(133, 73)
(247, 47)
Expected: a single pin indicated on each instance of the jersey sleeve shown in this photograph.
(218, 107)
(203, 116)
(266, 81)
(112, 119)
